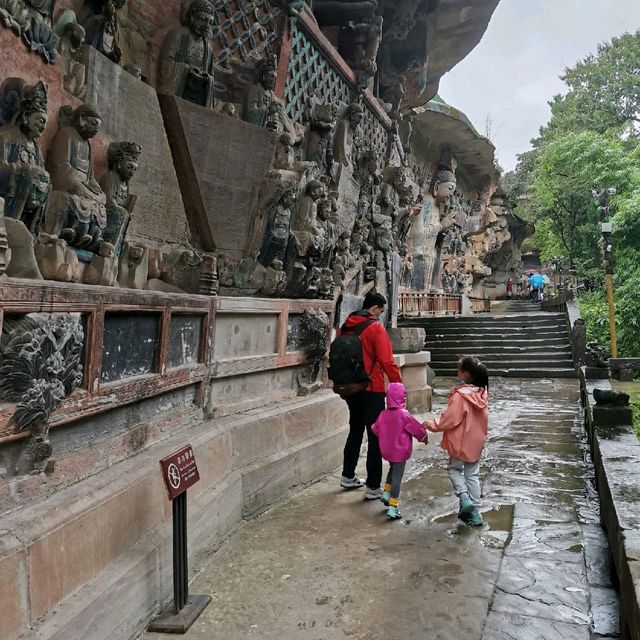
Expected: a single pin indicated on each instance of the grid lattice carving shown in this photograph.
(310, 74)
(247, 29)
(373, 132)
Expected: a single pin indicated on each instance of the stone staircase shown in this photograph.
(516, 340)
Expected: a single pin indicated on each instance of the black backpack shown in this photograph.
(346, 364)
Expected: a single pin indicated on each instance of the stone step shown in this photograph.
(497, 357)
(518, 373)
(504, 363)
(517, 320)
(506, 332)
(499, 342)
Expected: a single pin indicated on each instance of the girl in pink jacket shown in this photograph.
(395, 427)
(464, 424)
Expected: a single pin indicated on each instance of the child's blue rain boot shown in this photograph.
(476, 518)
(466, 509)
(393, 512)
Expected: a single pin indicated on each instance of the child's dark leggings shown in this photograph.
(394, 480)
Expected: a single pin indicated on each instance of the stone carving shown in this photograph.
(133, 266)
(187, 59)
(394, 97)
(408, 267)
(611, 398)
(579, 342)
(24, 182)
(5, 252)
(181, 269)
(275, 279)
(31, 19)
(320, 141)
(55, 260)
(314, 335)
(340, 12)
(78, 211)
(304, 224)
(444, 185)
(343, 250)
(226, 269)
(39, 366)
(346, 147)
(72, 38)
(596, 356)
(102, 28)
(122, 159)
(208, 276)
(339, 271)
(358, 44)
(276, 238)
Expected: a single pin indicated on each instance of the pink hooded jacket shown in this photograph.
(395, 426)
(464, 423)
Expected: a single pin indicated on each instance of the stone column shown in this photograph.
(408, 343)
(4, 245)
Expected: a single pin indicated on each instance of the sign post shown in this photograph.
(179, 471)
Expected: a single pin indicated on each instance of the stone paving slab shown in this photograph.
(505, 626)
(327, 566)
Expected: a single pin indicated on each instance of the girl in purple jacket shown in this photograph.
(395, 428)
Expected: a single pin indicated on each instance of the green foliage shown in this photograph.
(591, 141)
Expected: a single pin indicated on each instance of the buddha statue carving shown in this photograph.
(444, 185)
(78, 211)
(74, 73)
(276, 238)
(304, 223)
(187, 59)
(24, 182)
(122, 158)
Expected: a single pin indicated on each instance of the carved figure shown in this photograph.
(343, 250)
(102, 29)
(72, 38)
(275, 279)
(78, 213)
(55, 260)
(24, 182)
(346, 146)
(14, 15)
(320, 142)
(339, 272)
(260, 99)
(122, 159)
(443, 186)
(275, 242)
(226, 268)
(579, 342)
(611, 398)
(339, 12)
(358, 44)
(406, 276)
(394, 96)
(187, 60)
(5, 252)
(304, 223)
(326, 284)
(596, 356)
(39, 366)
(133, 269)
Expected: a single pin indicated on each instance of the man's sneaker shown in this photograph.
(372, 494)
(351, 483)
(394, 513)
(385, 498)
(476, 518)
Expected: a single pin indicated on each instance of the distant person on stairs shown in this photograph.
(464, 424)
(365, 406)
(509, 289)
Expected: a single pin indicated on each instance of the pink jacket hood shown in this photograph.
(396, 396)
(395, 426)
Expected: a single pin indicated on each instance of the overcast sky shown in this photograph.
(513, 72)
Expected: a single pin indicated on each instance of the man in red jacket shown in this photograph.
(365, 407)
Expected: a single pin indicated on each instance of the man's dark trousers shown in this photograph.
(364, 409)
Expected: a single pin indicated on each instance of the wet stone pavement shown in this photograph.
(325, 565)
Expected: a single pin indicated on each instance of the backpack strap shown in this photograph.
(356, 331)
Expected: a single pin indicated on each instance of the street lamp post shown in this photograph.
(602, 201)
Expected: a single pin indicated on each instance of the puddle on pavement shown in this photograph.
(496, 532)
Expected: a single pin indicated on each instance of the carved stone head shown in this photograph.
(444, 185)
(86, 120)
(201, 18)
(122, 158)
(356, 113)
(268, 72)
(276, 264)
(31, 115)
(75, 34)
(315, 189)
(288, 198)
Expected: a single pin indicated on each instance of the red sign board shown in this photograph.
(179, 471)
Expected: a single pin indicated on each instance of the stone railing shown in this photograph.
(140, 344)
(480, 305)
(316, 69)
(429, 304)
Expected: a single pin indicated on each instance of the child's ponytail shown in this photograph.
(478, 372)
